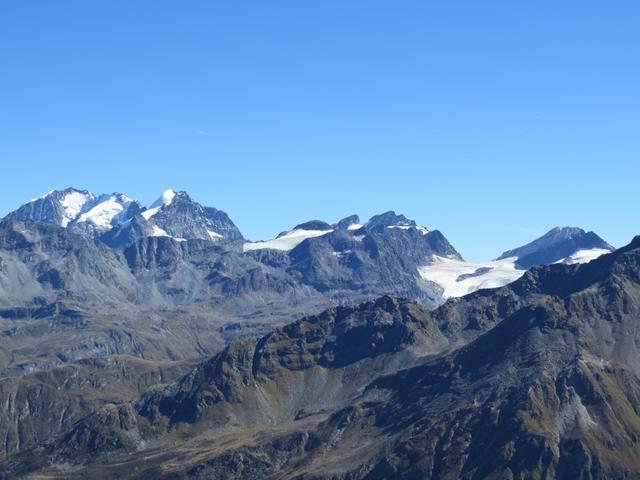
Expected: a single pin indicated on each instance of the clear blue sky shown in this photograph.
(492, 121)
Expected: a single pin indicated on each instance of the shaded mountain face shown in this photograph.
(538, 379)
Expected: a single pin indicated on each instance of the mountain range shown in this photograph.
(86, 276)
(159, 343)
(536, 379)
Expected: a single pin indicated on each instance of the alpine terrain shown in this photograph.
(160, 343)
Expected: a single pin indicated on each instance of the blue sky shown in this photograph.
(491, 121)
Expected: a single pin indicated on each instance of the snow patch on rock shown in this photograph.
(285, 242)
(584, 256)
(164, 201)
(458, 278)
(102, 215)
(72, 204)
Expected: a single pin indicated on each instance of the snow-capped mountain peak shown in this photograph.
(568, 245)
(182, 218)
(555, 245)
(165, 199)
(59, 207)
(174, 215)
(72, 204)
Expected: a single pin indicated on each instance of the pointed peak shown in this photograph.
(557, 244)
(564, 232)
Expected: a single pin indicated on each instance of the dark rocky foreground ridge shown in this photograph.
(538, 379)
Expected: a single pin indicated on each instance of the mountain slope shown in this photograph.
(70, 393)
(551, 391)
